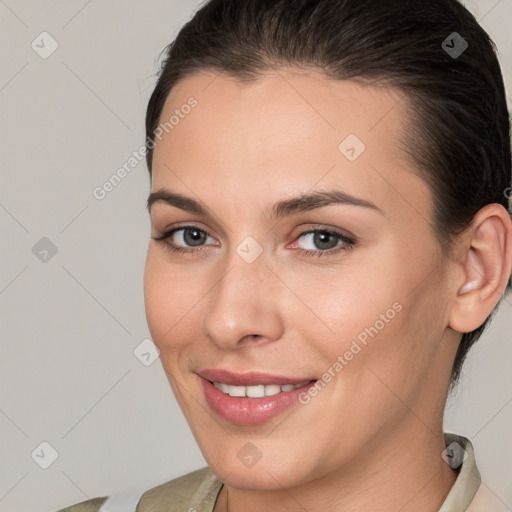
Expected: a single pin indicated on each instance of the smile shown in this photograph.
(252, 397)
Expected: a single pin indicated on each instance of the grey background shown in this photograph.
(70, 324)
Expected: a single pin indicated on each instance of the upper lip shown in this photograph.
(247, 379)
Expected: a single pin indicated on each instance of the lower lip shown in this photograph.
(250, 411)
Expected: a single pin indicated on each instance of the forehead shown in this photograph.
(286, 131)
(284, 108)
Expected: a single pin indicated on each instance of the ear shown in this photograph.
(484, 268)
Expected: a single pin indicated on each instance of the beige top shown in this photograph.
(198, 491)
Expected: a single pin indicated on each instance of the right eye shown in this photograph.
(185, 239)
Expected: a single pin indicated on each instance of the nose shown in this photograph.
(243, 308)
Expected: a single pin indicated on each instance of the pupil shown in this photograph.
(321, 239)
(194, 237)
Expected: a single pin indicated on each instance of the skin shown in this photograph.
(374, 434)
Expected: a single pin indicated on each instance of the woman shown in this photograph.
(330, 236)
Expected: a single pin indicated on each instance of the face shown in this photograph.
(343, 294)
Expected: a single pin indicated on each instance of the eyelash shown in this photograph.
(348, 243)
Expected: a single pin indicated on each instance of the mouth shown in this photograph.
(250, 398)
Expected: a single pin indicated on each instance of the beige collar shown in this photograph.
(468, 481)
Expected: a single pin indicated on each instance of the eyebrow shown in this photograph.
(287, 207)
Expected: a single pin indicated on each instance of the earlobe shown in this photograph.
(485, 267)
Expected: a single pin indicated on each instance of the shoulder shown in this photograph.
(200, 486)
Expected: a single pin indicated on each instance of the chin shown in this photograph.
(262, 476)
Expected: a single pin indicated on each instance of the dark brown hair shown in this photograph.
(459, 132)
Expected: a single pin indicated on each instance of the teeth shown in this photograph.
(236, 390)
(257, 391)
(271, 389)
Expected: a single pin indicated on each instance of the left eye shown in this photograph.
(323, 240)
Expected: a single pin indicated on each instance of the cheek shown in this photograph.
(171, 301)
(369, 317)
(350, 300)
